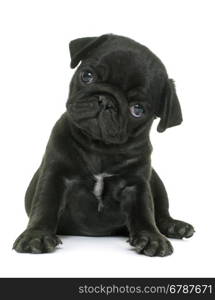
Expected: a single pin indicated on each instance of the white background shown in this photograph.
(34, 80)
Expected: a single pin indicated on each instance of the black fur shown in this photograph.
(98, 135)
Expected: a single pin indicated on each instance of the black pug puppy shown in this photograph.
(96, 178)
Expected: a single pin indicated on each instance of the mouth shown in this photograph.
(111, 125)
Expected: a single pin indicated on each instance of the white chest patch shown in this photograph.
(99, 186)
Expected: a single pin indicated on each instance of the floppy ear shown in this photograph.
(80, 48)
(170, 110)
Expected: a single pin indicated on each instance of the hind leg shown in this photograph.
(30, 192)
(166, 224)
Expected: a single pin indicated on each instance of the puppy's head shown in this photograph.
(118, 89)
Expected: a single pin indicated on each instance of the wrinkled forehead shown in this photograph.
(125, 69)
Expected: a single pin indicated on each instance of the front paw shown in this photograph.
(36, 241)
(175, 228)
(151, 244)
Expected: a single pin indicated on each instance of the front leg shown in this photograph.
(40, 235)
(167, 225)
(139, 208)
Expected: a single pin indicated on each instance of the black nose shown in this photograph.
(105, 102)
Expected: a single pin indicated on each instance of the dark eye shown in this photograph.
(137, 110)
(87, 76)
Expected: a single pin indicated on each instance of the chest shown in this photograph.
(98, 188)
